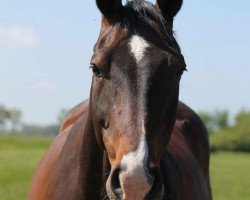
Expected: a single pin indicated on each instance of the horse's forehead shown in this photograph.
(119, 38)
(110, 37)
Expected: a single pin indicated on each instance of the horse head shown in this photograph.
(137, 66)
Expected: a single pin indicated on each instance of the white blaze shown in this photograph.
(133, 172)
(138, 158)
(138, 47)
(133, 175)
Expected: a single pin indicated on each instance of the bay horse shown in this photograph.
(133, 139)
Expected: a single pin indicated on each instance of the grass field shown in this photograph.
(19, 156)
(230, 176)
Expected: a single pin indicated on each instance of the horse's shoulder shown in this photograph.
(60, 156)
(187, 156)
(192, 127)
(189, 143)
(183, 174)
(74, 114)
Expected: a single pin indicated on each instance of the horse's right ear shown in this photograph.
(109, 7)
(169, 8)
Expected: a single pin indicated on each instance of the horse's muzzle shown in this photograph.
(154, 182)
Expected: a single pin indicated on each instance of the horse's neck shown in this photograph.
(93, 166)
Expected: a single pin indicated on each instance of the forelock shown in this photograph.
(147, 11)
(140, 11)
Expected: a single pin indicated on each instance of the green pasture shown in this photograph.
(18, 159)
(230, 175)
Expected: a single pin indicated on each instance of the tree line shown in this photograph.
(11, 117)
(226, 136)
(11, 123)
(227, 133)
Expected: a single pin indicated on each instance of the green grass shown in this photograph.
(230, 176)
(18, 159)
(19, 156)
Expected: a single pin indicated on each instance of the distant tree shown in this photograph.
(221, 119)
(235, 137)
(243, 118)
(4, 115)
(15, 116)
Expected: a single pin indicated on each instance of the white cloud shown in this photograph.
(18, 37)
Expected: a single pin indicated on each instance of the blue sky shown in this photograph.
(45, 48)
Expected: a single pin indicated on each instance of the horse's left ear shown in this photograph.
(169, 8)
(109, 7)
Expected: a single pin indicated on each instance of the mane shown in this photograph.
(146, 12)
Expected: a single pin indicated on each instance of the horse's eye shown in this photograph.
(97, 72)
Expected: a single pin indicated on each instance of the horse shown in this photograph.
(132, 139)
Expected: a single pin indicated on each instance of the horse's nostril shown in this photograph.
(115, 179)
(115, 182)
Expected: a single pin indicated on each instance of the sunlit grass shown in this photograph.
(18, 159)
(230, 176)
